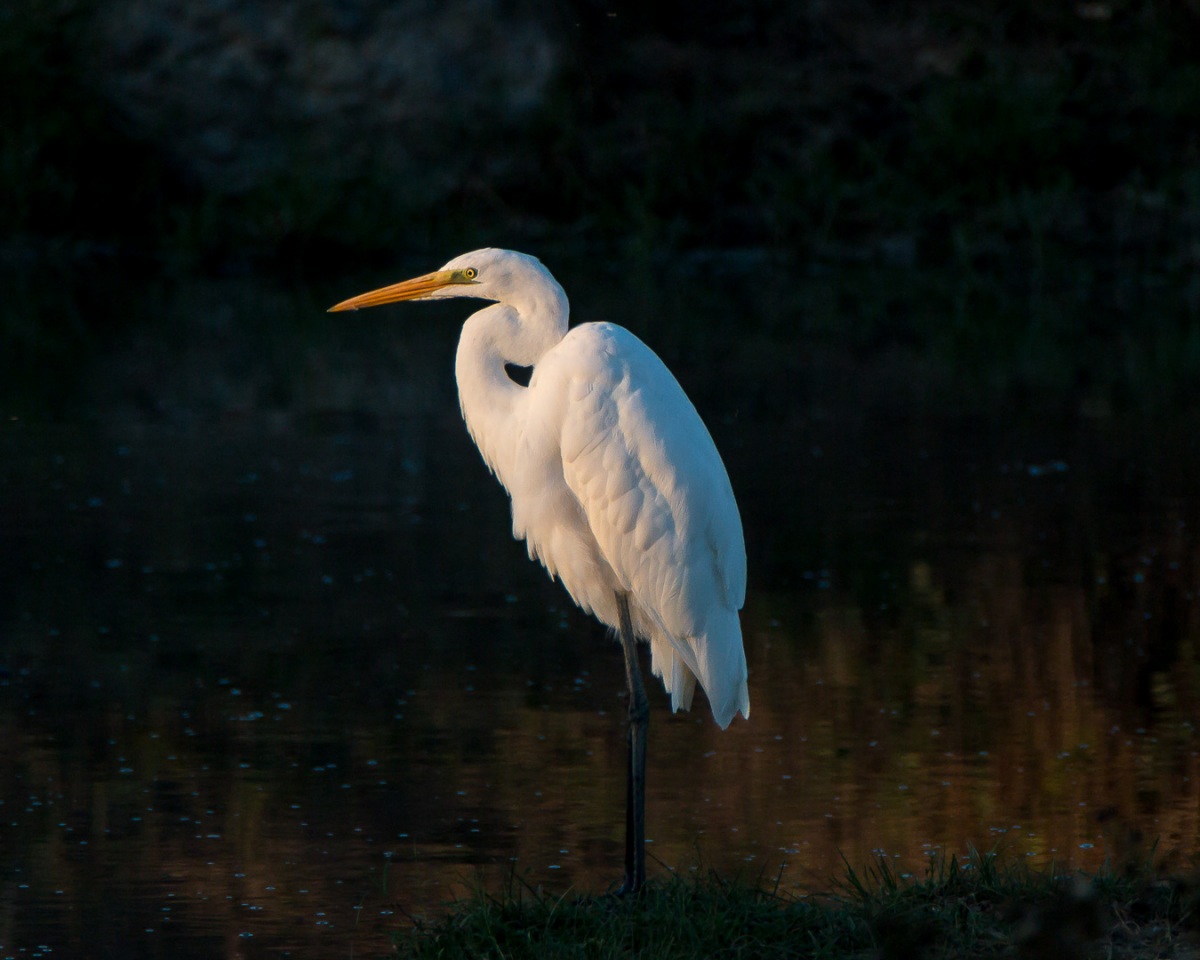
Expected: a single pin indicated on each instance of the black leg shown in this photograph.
(635, 794)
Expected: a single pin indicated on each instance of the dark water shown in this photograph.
(274, 678)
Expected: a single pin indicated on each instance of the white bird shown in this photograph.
(616, 486)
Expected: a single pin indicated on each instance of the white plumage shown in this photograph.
(616, 485)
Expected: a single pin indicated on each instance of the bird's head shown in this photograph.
(487, 274)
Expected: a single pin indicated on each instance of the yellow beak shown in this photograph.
(413, 289)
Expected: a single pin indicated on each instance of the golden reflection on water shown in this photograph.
(263, 820)
(977, 708)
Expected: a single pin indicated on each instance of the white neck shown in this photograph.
(518, 333)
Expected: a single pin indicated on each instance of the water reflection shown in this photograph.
(273, 678)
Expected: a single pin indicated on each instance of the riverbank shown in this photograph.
(974, 907)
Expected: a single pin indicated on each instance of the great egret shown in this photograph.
(616, 486)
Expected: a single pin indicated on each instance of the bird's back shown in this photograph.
(618, 486)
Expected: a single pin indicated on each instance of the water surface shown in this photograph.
(274, 678)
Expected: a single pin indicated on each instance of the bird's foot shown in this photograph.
(629, 888)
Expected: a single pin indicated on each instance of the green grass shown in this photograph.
(978, 907)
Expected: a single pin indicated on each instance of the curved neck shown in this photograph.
(489, 399)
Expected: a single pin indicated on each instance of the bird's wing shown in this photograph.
(651, 488)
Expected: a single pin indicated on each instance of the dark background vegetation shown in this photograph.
(965, 167)
(926, 131)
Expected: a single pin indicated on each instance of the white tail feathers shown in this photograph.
(719, 665)
(676, 677)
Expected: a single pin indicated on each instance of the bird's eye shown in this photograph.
(470, 273)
